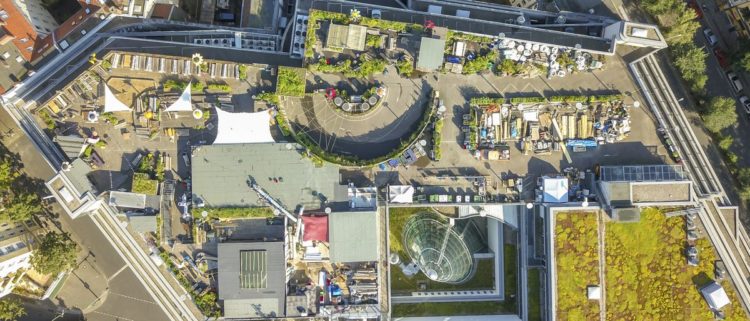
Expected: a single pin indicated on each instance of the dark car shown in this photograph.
(722, 58)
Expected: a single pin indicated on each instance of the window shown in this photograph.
(19, 59)
(24, 40)
(6, 55)
(29, 48)
(83, 32)
(3, 14)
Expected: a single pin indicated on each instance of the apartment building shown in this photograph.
(17, 241)
(738, 12)
(37, 15)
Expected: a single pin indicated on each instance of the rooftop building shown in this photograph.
(17, 240)
(430, 56)
(221, 174)
(648, 185)
(252, 281)
(353, 236)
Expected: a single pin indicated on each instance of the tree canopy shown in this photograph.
(21, 207)
(720, 114)
(691, 62)
(56, 253)
(11, 309)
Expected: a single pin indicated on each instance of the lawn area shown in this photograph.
(453, 308)
(484, 279)
(397, 219)
(291, 82)
(577, 256)
(648, 257)
(142, 184)
(535, 299)
(234, 212)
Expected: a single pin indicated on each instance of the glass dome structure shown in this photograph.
(443, 252)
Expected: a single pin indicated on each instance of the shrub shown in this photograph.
(242, 72)
(568, 99)
(271, 98)
(373, 41)
(283, 125)
(405, 67)
(437, 138)
(720, 114)
(605, 98)
(509, 67)
(483, 101)
(480, 63)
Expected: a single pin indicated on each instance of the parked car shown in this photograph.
(735, 82)
(722, 58)
(710, 37)
(745, 102)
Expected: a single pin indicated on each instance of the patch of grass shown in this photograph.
(577, 257)
(484, 279)
(648, 257)
(452, 308)
(510, 255)
(143, 184)
(397, 218)
(535, 295)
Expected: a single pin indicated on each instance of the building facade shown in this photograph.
(37, 15)
(17, 241)
(738, 13)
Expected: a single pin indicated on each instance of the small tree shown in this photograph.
(21, 207)
(691, 61)
(56, 253)
(720, 114)
(11, 309)
(8, 173)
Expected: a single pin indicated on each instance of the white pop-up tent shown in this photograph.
(401, 194)
(111, 103)
(183, 103)
(239, 128)
(555, 190)
(715, 296)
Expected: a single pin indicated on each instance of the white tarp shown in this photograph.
(401, 194)
(715, 296)
(239, 128)
(555, 190)
(183, 103)
(111, 103)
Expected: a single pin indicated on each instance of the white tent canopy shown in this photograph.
(401, 194)
(111, 103)
(555, 190)
(239, 128)
(715, 296)
(183, 103)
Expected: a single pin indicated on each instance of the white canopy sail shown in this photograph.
(111, 103)
(183, 103)
(239, 128)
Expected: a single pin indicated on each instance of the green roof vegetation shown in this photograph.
(143, 184)
(577, 258)
(290, 82)
(648, 258)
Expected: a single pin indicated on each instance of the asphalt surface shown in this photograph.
(124, 297)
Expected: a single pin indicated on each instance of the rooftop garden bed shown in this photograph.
(227, 213)
(143, 184)
(577, 260)
(290, 82)
(648, 258)
(361, 68)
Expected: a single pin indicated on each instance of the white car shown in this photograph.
(735, 82)
(710, 37)
(745, 101)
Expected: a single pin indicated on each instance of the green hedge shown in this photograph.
(482, 101)
(219, 87)
(365, 69)
(290, 82)
(437, 138)
(180, 85)
(527, 100)
(283, 125)
(234, 212)
(313, 148)
(569, 99)
(405, 67)
(605, 98)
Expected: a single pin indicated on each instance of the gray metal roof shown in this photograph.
(268, 297)
(353, 236)
(143, 223)
(431, 53)
(640, 173)
(71, 145)
(78, 176)
(220, 174)
(127, 200)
